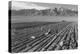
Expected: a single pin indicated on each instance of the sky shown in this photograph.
(26, 5)
(17, 5)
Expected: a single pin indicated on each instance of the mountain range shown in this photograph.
(31, 9)
(45, 12)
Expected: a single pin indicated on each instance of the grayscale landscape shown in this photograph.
(37, 27)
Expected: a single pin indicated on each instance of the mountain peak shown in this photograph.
(21, 5)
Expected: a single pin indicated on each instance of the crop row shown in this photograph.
(50, 37)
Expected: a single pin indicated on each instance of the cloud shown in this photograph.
(26, 5)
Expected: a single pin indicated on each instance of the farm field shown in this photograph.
(44, 36)
(39, 27)
(19, 19)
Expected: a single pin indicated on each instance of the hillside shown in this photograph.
(46, 12)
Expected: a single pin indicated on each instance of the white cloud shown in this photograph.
(21, 5)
